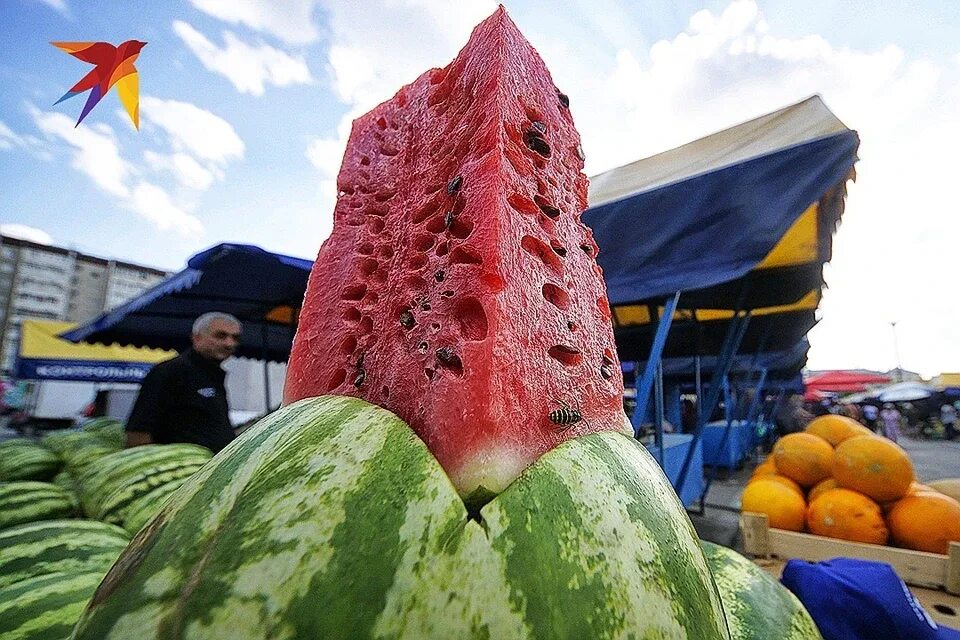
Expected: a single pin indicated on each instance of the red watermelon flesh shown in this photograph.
(459, 288)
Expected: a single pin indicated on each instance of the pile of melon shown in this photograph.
(840, 480)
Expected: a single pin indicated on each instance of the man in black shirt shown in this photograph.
(184, 399)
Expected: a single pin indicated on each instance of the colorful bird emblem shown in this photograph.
(114, 66)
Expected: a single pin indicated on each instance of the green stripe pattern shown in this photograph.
(24, 459)
(757, 606)
(331, 519)
(29, 501)
(110, 483)
(58, 546)
(46, 607)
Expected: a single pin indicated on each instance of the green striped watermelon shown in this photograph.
(29, 501)
(23, 459)
(144, 508)
(71, 546)
(756, 605)
(114, 507)
(331, 519)
(115, 479)
(45, 607)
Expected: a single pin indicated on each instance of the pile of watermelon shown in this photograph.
(451, 461)
(51, 559)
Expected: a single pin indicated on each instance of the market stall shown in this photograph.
(717, 247)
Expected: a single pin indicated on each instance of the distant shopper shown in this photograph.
(890, 418)
(184, 399)
(870, 415)
(948, 416)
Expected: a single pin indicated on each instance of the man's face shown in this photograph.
(218, 341)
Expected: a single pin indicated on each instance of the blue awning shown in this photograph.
(264, 290)
(702, 216)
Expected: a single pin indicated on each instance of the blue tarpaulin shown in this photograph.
(264, 290)
(709, 212)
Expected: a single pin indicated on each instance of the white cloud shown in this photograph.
(190, 128)
(96, 153)
(289, 20)
(9, 139)
(247, 67)
(24, 232)
(184, 168)
(154, 204)
(60, 6)
(95, 150)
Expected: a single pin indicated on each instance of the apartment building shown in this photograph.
(55, 283)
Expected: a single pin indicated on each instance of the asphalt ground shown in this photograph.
(720, 520)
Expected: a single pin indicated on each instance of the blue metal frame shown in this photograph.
(735, 332)
(653, 362)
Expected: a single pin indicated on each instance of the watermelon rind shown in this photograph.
(29, 501)
(24, 459)
(51, 546)
(756, 605)
(331, 519)
(45, 607)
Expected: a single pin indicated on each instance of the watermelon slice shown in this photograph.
(459, 288)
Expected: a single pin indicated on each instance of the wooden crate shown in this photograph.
(928, 570)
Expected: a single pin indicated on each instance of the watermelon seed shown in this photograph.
(423, 347)
(454, 185)
(587, 249)
(425, 306)
(564, 99)
(439, 275)
(448, 219)
(606, 372)
(360, 377)
(359, 364)
(571, 325)
(607, 360)
(532, 139)
(580, 153)
(407, 321)
(539, 126)
(429, 373)
(559, 250)
(446, 293)
(548, 209)
(449, 359)
(434, 327)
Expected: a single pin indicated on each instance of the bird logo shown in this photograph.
(114, 66)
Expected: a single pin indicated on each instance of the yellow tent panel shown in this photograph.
(39, 340)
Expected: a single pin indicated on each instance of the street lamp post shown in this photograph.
(896, 352)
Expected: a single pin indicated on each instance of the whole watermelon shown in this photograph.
(331, 519)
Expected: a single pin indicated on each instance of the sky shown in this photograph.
(245, 106)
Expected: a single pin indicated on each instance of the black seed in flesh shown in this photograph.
(549, 210)
(607, 360)
(422, 347)
(606, 372)
(580, 153)
(539, 126)
(407, 321)
(560, 251)
(425, 306)
(454, 185)
(587, 249)
(360, 377)
(537, 144)
(564, 99)
(359, 364)
(446, 356)
(438, 276)
(571, 325)
(446, 293)
(448, 219)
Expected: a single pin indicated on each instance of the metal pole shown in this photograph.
(656, 350)
(896, 351)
